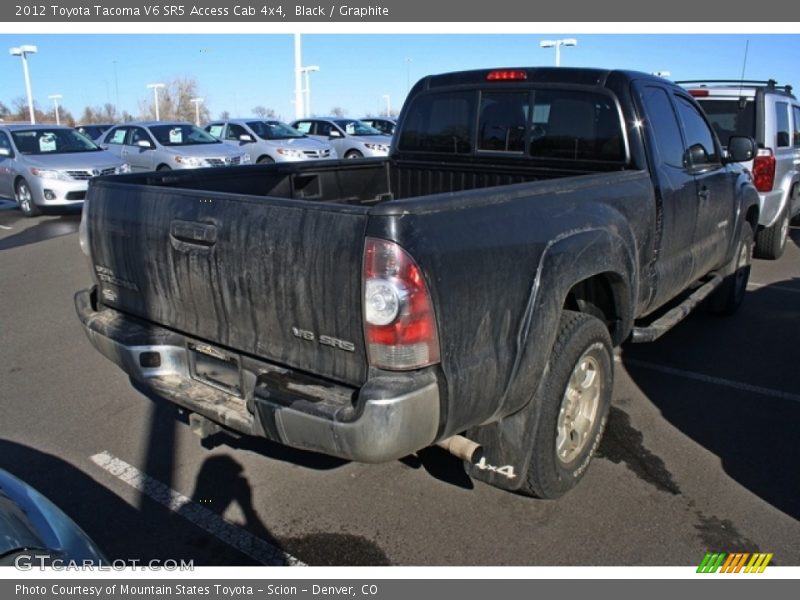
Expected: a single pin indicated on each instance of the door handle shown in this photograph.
(195, 234)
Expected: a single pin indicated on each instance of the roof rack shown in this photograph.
(770, 83)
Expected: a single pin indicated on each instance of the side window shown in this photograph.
(664, 126)
(782, 138)
(117, 136)
(215, 129)
(5, 143)
(699, 139)
(137, 135)
(502, 121)
(323, 128)
(235, 131)
(303, 127)
(796, 115)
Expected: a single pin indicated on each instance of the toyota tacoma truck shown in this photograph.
(466, 291)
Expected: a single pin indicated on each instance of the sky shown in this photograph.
(236, 72)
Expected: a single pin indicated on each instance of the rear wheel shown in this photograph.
(771, 241)
(264, 160)
(164, 168)
(25, 199)
(728, 297)
(575, 397)
(353, 154)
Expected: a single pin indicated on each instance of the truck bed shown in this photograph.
(366, 182)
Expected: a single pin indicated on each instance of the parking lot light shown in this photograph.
(557, 45)
(55, 98)
(155, 87)
(197, 102)
(22, 52)
(307, 90)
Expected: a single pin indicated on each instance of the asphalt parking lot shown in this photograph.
(701, 452)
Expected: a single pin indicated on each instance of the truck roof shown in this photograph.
(567, 75)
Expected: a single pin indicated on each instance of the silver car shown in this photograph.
(770, 114)
(385, 125)
(94, 131)
(50, 166)
(269, 141)
(165, 145)
(350, 137)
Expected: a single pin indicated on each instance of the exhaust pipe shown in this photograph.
(462, 448)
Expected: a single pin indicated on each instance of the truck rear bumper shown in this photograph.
(389, 417)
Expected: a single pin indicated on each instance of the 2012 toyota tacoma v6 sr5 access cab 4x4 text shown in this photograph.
(465, 291)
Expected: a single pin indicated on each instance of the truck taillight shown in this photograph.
(699, 93)
(764, 170)
(399, 323)
(506, 75)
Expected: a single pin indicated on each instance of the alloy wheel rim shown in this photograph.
(24, 198)
(579, 406)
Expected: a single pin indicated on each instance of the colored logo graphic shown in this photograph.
(734, 563)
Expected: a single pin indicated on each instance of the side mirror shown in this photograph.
(144, 144)
(740, 148)
(5, 152)
(335, 133)
(695, 155)
(246, 138)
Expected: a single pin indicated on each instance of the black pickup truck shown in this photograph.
(466, 291)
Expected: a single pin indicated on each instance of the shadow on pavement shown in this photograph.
(44, 229)
(740, 402)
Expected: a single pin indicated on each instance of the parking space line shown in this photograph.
(240, 539)
(738, 385)
(773, 287)
(6, 227)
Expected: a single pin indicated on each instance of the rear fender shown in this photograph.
(571, 258)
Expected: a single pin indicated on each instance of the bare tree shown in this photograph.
(264, 113)
(175, 102)
(19, 111)
(338, 111)
(225, 115)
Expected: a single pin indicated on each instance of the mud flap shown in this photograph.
(506, 447)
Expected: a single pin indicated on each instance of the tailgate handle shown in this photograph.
(198, 234)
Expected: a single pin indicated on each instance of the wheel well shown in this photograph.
(263, 156)
(602, 296)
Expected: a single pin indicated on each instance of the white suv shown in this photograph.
(770, 114)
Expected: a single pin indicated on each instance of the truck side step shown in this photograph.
(674, 316)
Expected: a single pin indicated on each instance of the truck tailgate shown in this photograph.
(262, 276)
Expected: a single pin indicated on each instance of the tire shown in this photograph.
(575, 397)
(24, 198)
(771, 241)
(264, 160)
(727, 299)
(163, 168)
(353, 154)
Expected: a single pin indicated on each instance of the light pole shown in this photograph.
(408, 75)
(116, 86)
(23, 52)
(307, 90)
(557, 45)
(197, 102)
(55, 98)
(155, 87)
(387, 97)
(299, 112)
